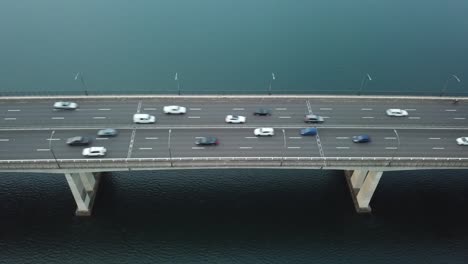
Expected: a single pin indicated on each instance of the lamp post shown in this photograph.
(169, 146)
(284, 147)
(442, 91)
(176, 78)
(52, 150)
(397, 148)
(364, 81)
(80, 76)
(273, 77)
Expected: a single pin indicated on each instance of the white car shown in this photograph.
(65, 105)
(462, 141)
(143, 119)
(264, 131)
(174, 109)
(94, 152)
(397, 112)
(234, 119)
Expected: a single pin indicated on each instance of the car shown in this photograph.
(78, 141)
(361, 139)
(462, 141)
(264, 131)
(144, 119)
(309, 131)
(262, 112)
(94, 152)
(397, 112)
(107, 132)
(174, 109)
(313, 119)
(207, 141)
(65, 105)
(234, 119)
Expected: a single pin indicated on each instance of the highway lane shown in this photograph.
(154, 143)
(210, 112)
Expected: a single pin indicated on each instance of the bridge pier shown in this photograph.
(362, 184)
(84, 186)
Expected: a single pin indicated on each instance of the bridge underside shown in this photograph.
(84, 186)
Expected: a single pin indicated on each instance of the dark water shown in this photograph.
(244, 216)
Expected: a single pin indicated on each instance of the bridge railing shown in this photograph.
(193, 162)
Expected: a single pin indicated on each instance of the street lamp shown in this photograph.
(52, 150)
(364, 81)
(176, 78)
(272, 79)
(442, 91)
(284, 148)
(80, 76)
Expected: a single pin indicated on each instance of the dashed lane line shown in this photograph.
(245, 147)
(459, 118)
(198, 148)
(391, 148)
(42, 149)
(151, 138)
(414, 117)
(99, 117)
(49, 139)
(451, 110)
(438, 148)
(4, 139)
(390, 138)
(326, 109)
(100, 138)
(104, 109)
(294, 147)
(58, 118)
(238, 109)
(410, 109)
(150, 109)
(250, 137)
(281, 109)
(9, 118)
(14, 110)
(367, 117)
(195, 109)
(366, 109)
(284, 117)
(193, 117)
(295, 137)
(434, 138)
(342, 137)
(145, 148)
(342, 147)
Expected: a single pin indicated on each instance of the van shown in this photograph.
(143, 119)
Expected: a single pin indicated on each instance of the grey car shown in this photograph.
(78, 141)
(207, 141)
(108, 132)
(313, 119)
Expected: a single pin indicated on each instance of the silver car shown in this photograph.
(65, 105)
(108, 132)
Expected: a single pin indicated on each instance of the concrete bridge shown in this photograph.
(33, 134)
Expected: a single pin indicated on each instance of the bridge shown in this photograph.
(33, 134)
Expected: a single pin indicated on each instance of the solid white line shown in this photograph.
(368, 117)
(414, 117)
(250, 137)
(99, 117)
(342, 147)
(145, 148)
(438, 148)
(10, 118)
(326, 109)
(104, 109)
(294, 147)
(245, 147)
(198, 148)
(280, 109)
(284, 117)
(390, 138)
(58, 117)
(195, 109)
(342, 137)
(295, 137)
(42, 149)
(149, 109)
(151, 138)
(193, 117)
(238, 109)
(451, 110)
(4, 139)
(14, 110)
(391, 148)
(434, 138)
(99, 138)
(410, 109)
(52, 139)
(366, 109)
(459, 118)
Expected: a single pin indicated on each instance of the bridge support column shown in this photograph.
(362, 184)
(84, 187)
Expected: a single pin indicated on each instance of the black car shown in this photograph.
(207, 141)
(79, 141)
(262, 112)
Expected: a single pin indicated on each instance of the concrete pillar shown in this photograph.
(84, 187)
(357, 178)
(367, 190)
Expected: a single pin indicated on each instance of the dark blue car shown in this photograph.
(310, 131)
(361, 139)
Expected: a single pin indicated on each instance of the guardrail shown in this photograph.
(251, 162)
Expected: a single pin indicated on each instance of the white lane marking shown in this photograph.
(42, 149)
(99, 117)
(139, 107)
(238, 109)
(104, 109)
(150, 109)
(151, 138)
(325, 117)
(367, 117)
(193, 117)
(132, 141)
(280, 109)
(366, 109)
(195, 109)
(342, 137)
(459, 118)
(145, 148)
(391, 148)
(294, 147)
(245, 147)
(284, 117)
(410, 109)
(58, 117)
(326, 109)
(198, 148)
(250, 137)
(390, 138)
(199, 137)
(451, 110)
(14, 110)
(438, 148)
(100, 138)
(434, 138)
(10, 118)
(295, 137)
(414, 117)
(342, 147)
(4, 139)
(52, 139)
